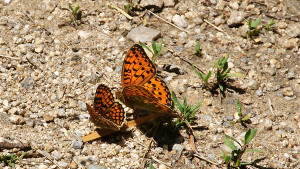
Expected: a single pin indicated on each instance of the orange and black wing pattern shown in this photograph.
(137, 67)
(106, 113)
(160, 90)
(142, 89)
(139, 98)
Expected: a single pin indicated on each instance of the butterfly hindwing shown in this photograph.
(139, 98)
(160, 90)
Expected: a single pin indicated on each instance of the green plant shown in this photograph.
(156, 47)
(150, 165)
(76, 14)
(253, 28)
(11, 159)
(128, 7)
(221, 72)
(198, 49)
(234, 159)
(202, 76)
(242, 118)
(187, 112)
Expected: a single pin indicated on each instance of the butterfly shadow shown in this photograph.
(162, 131)
(119, 137)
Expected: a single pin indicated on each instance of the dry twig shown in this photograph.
(168, 22)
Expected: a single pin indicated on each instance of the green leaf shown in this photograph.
(253, 150)
(246, 163)
(221, 87)
(249, 24)
(231, 138)
(246, 117)
(196, 106)
(236, 75)
(154, 48)
(197, 47)
(230, 144)
(70, 7)
(151, 166)
(76, 8)
(249, 135)
(207, 77)
(272, 22)
(176, 102)
(255, 23)
(145, 46)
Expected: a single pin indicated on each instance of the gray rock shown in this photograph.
(92, 166)
(259, 92)
(177, 147)
(84, 116)
(180, 21)
(169, 3)
(63, 164)
(235, 18)
(288, 91)
(226, 124)
(143, 34)
(27, 83)
(152, 4)
(268, 124)
(16, 119)
(290, 98)
(179, 48)
(234, 5)
(271, 71)
(291, 74)
(48, 118)
(82, 105)
(253, 85)
(77, 144)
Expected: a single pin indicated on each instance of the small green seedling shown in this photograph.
(128, 7)
(76, 14)
(222, 72)
(157, 49)
(254, 30)
(150, 166)
(186, 111)
(11, 159)
(234, 159)
(202, 76)
(242, 118)
(268, 27)
(198, 49)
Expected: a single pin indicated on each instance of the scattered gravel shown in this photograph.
(49, 69)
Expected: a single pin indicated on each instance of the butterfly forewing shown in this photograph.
(137, 67)
(106, 113)
(103, 99)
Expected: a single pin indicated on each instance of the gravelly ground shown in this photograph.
(48, 71)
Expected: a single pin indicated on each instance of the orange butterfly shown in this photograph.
(106, 113)
(141, 88)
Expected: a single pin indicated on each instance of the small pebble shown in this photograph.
(77, 144)
(259, 92)
(288, 91)
(180, 21)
